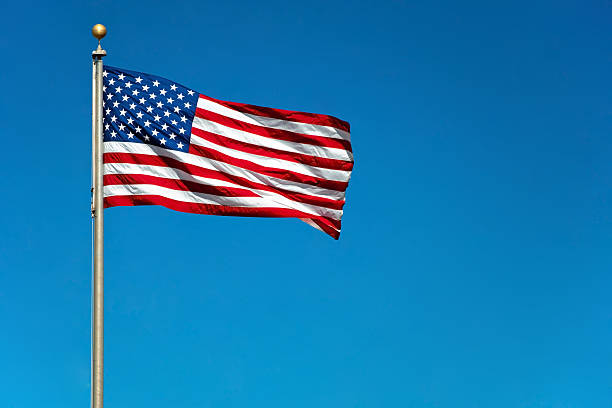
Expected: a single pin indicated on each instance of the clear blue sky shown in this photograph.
(474, 266)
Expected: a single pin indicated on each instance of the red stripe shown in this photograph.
(145, 159)
(268, 171)
(272, 133)
(184, 185)
(303, 117)
(334, 232)
(196, 208)
(274, 153)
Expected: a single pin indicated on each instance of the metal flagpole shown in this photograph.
(97, 357)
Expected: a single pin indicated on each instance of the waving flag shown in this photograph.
(165, 144)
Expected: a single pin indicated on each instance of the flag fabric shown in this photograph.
(165, 144)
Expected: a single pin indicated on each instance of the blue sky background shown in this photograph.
(474, 264)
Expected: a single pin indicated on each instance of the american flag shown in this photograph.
(165, 144)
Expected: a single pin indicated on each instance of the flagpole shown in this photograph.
(97, 357)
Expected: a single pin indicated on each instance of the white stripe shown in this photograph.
(297, 127)
(206, 163)
(186, 196)
(288, 146)
(273, 162)
(314, 224)
(271, 199)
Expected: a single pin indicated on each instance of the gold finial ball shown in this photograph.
(98, 31)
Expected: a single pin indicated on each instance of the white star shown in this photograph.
(114, 134)
(115, 104)
(132, 106)
(142, 100)
(173, 87)
(107, 111)
(182, 131)
(170, 100)
(177, 109)
(163, 141)
(166, 113)
(190, 92)
(146, 138)
(147, 123)
(138, 80)
(138, 129)
(139, 114)
(128, 85)
(154, 132)
(135, 92)
(172, 136)
(125, 98)
(113, 119)
(103, 88)
(106, 127)
(174, 122)
(130, 135)
(157, 118)
(118, 89)
(160, 104)
(163, 92)
(121, 127)
(149, 109)
(165, 126)
(152, 96)
(121, 76)
(145, 88)
(122, 112)
(187, 105)
(104, 74)
(112, 81)
(183, 119)
(180, 96)
(155, 83)
(179, 145)
(130, 121)
(109, 96)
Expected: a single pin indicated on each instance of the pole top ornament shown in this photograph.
(98, 31)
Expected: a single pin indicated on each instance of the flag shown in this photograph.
(165, 144)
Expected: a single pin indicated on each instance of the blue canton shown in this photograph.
(143, 108)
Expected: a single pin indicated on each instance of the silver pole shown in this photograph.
(97, 358)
